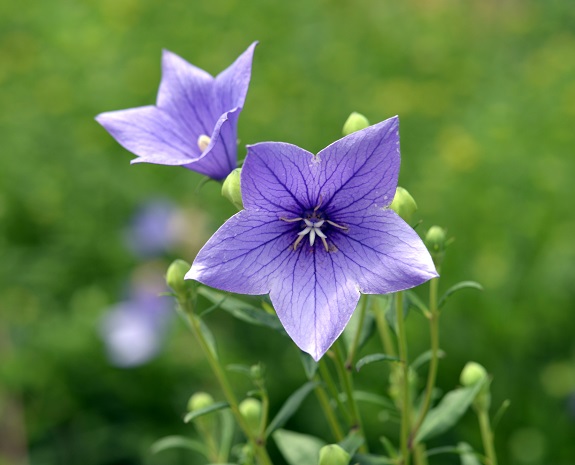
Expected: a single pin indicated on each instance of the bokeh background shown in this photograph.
(485, 91)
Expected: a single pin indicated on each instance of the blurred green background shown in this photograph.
(485, 91)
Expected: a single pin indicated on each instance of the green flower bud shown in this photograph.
(436, 241)
(333, 454)
(403, 204)
(231, 189)
(471, 374)
(354, 122)
(199, 401)
(175, 276)
(251, 410)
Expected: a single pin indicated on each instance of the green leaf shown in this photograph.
(204, 411)
(352, 442)
(309, 364)
(424, 358)
(242, 310)
(390, 314)
(376, 399)
(448, 412)
(365, 459)
(298, 449)
(374, 358)
(352, 327)
(500, 412)
(290, 406)
(243, 369)
(171, 442)
(457, 287)
(227, 429)
(416, 302)
(208, 336)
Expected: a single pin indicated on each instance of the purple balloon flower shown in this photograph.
(194, 121)
(316, 232)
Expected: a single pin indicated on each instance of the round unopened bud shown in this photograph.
(472, 373)
(435, 239)
(175, 276)
(199, 401)
(403, 204)
(333, 454)
(354, 122)
(231, 188)
(251, 410)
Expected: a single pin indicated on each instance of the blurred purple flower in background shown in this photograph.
(194, 121)
(316, 231)
(133, 331)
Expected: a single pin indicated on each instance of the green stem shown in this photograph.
(383, 328)
(405, 411)
(257, 443)
(434, 362)
(347, 382)
(328, 411)
(486, 436)
(357, 336)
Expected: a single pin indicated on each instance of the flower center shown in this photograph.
(313, 224)
(203, 142)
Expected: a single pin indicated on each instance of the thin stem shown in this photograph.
(383, 328)
(434, 362)
(419, 457)
(405, 411)
(328, 411)
(357, 336)
(486, 436)
(347, 382)
(257, 443)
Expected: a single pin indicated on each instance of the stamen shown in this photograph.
(290, 220)
(203, 142)
(345, 228)
(312, 236)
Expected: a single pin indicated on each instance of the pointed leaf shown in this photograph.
(374, 358)
(416, 302)
(208, 336)
(227, 429)
(298, 449)
(242, 310)
(390, 315)
(450, 409)
(366, 330)
(376, 399)
(424, 358)
(290, 406)
(182, 442)
(352, 442)
(457, 287)
(204, 411)
(365, 459)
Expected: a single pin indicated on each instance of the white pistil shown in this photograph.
(203, 142)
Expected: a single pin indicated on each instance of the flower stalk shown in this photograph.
(486, 436)
(406, 401)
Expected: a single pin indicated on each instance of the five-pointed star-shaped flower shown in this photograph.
(194, 121)
(316, 232)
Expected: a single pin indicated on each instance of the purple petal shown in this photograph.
(232, 83)
(382, 253)
(220, 157)
(280, 178)
(186, 93)
(150, 133)
(361, 169)
(244, 254)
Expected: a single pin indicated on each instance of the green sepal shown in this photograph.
(297, 448)
(458, 287)
(448, 412)
(181, 442)
(374, 358)
(290, 406)
(242, 310)
(204, 411)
